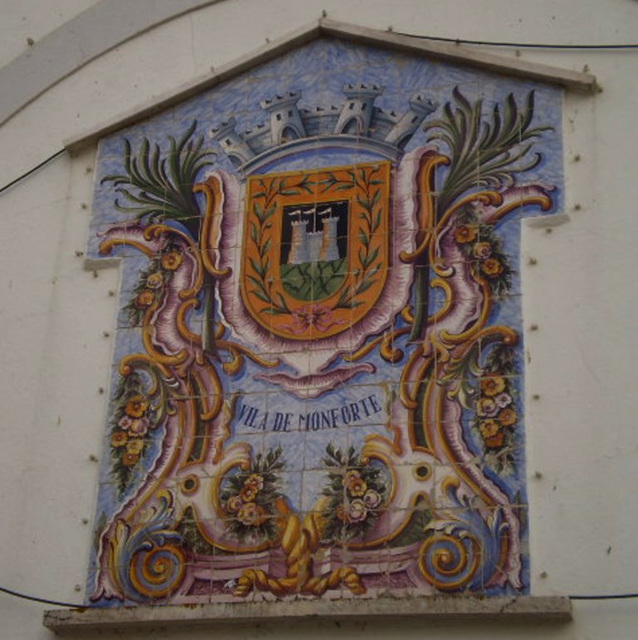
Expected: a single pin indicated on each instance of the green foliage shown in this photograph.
(192, 537)
(484, 151)
(159, 186)
(415, 530)
(313, 280)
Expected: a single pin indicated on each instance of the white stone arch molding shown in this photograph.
(87, 36)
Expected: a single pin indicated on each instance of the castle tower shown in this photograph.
(329, 249)
(315, 239)
(299, 243)
(285, 120)
(404, 129)
(356, 113)
(234, 146)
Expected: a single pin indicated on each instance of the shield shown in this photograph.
(315, 251)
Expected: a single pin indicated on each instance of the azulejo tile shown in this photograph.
(318, 356)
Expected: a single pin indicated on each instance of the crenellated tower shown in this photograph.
(285, 120)
(356, 113)
(234, 146)
(381, 132)
(420, 108)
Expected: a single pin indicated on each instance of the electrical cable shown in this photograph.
(609, 597)
(520, 45)
(17, 594)
(30, 171)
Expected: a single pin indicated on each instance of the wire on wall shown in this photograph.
(30, 171)
(521, 45)
(17, 594)
(58, 603)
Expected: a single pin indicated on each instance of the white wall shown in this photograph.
(53, 314)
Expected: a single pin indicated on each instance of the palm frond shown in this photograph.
(484, 150)
(158, 186)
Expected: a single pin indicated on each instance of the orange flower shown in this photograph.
(489, 428)
(135, 446)
(464, 234)
(492, 385)
(145, 298)
(155, 280)
(119, 438)
(495, 442)
(251, 514)
(492, 267)
(171, 260)
(136, 407)
(507, 417)
(129, 459)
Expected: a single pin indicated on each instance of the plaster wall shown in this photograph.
(57, 319)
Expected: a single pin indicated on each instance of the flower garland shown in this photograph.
(356, 494)
(249, 497)
(494, 407)
(134, 418)
(484, 248)
(152, 283)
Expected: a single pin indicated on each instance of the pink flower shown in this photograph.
(357, 511)
(487, 407)
(371, 499)
(139, 427)
(482, 250)
(125, 423)
(503, 400)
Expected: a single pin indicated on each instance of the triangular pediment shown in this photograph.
(325, 28)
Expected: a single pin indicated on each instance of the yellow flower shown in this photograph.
(255, 482)
(119, 438)
(464, 234)
(155, 280)
(145, 298)
(492, 267)
(251, 514)
(492, 385)
(248, 494)
(136, 407)
(507, 417)
(171, 260)
(354, 483)
(489, 428)
(234, 504)
(135, 446)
